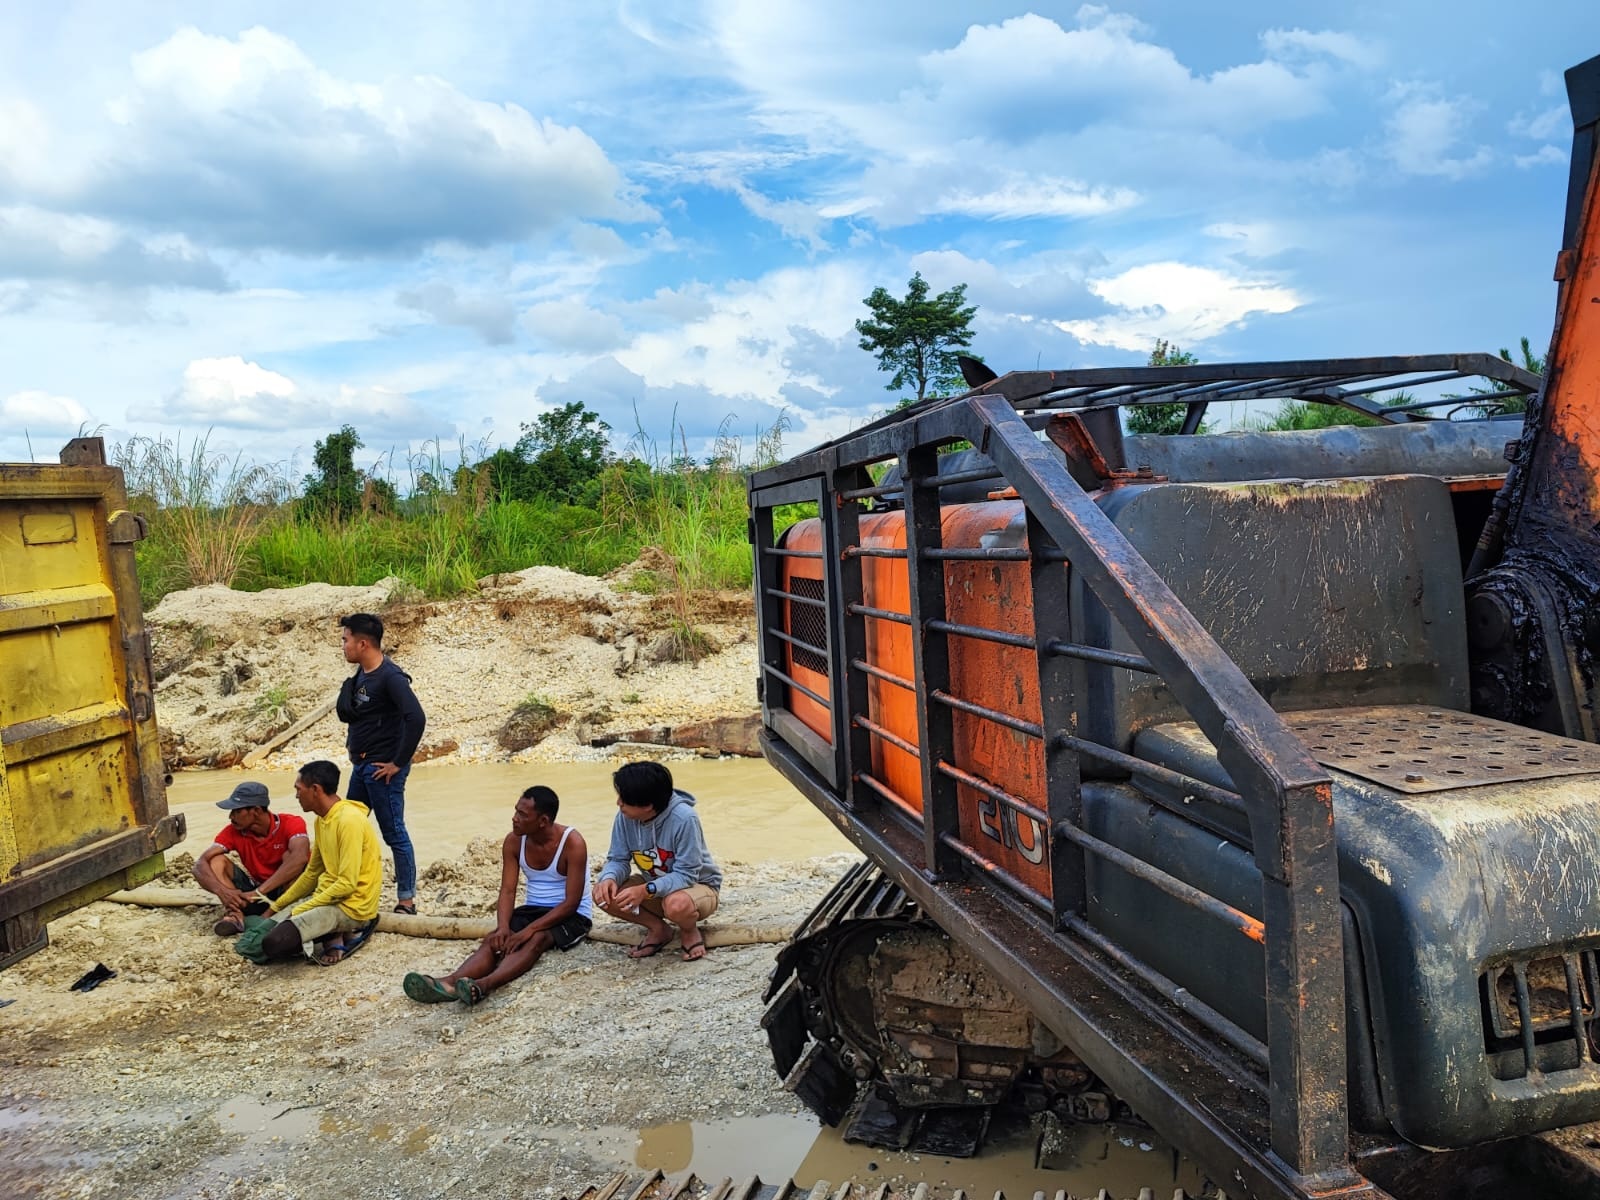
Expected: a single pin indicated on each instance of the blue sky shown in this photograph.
(435, 221)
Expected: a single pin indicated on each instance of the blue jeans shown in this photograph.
(388, 803)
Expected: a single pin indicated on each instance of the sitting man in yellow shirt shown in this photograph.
(338, 891)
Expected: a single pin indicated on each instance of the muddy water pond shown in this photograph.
(1123, 1159)
(749, 812)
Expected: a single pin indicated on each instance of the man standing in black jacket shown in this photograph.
(386, 724)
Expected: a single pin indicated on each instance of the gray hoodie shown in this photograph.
(668, 850)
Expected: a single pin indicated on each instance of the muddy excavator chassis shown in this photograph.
(1111, 1020)
(880, 1022)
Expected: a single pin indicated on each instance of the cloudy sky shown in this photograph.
(434, 221)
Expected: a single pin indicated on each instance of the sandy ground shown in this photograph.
(233, 668)
(197, 1073)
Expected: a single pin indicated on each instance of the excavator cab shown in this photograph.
(1247, 782)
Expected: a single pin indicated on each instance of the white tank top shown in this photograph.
(548, 888)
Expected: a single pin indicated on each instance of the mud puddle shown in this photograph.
(257, 1122)
(1122, 1159)
(750, 813)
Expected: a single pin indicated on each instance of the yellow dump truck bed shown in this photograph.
(83, 808)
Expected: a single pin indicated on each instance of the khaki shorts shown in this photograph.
(321, 921)
(705, 898)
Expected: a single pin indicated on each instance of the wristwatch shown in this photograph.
(650, 889)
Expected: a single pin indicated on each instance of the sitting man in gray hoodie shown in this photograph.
(658, 869)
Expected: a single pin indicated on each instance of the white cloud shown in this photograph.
(739, 346)
(230, 391)
(250, 142)
(1048, 285)
(1027, 196)
(1102, 114)
(1344, 47)
(37, 244)
(40, 413)
(1256, 239)
(1177, 301)
(801, 220)
(1543, 156)
(1028, 75)
(1426, 134)
(233, 393)
(600, 242)
(1543, 126)
(493, 318)
(24, 143)
(687, 303)
(572, 325)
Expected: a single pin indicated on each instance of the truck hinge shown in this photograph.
(124, 528)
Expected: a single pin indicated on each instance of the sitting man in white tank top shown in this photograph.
(551, 865)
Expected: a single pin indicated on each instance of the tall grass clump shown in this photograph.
(217, 520)
(693, 513)
(205, 510)
(442, 540)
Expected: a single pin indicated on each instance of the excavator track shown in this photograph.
(656, 1186)
(881, 1024)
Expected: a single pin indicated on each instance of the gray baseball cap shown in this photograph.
(247, 795)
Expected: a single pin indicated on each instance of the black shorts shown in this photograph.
(567, 934)
(242, 882)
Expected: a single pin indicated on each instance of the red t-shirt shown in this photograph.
(262, 856)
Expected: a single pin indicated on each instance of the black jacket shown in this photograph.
(383, 714)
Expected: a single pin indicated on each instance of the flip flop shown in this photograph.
(425, 989)
(648, 949)
(468, 992)
(331, 956)
(353, 941)
(228, 927)
(695, 951)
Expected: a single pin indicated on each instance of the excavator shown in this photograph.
(1245, 783)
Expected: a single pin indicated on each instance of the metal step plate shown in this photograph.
(1410, 748)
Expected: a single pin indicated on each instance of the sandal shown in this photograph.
(425, 989)
(468, 992)
(407, 908)
(331, 956)
(694, 951)
(648, 949)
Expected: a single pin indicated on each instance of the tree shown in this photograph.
(917, 338)
(1160, 418)
(338, 488)
(558, 455)
(1509, 404)
(1298, 414)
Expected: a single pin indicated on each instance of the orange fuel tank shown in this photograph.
(996, 595)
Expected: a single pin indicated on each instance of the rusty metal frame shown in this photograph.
(1297, 1135)
(1349, 383)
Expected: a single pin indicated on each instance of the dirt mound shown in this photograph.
(235, 668)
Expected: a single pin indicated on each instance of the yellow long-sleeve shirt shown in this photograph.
(346, 866)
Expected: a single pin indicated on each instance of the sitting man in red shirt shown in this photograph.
(254, 858)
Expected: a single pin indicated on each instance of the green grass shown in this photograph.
(445, 538)
(273, 703)
(442, 552)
